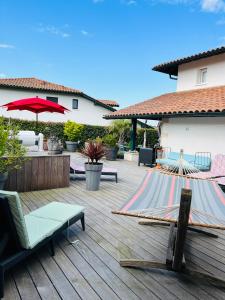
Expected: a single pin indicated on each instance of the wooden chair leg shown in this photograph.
(52, 247)
(1, 282)
(82, 223)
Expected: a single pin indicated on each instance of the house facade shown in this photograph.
(82, 108)
(193, 117)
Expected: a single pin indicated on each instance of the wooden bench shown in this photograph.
(79, 169)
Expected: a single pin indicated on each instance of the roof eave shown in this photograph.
(160, 116)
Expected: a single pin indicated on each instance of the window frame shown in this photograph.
(77, 102)
(200, 76)
(47, 98)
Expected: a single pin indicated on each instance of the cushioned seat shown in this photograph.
(38, 229)
(40, 223)
(57, 211)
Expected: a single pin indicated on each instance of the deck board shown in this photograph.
(90, 268)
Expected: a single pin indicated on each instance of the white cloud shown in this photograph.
(2, 75)
(53, 30)
(131, 2)
(6, 46)
(213, 5)
(86, 33)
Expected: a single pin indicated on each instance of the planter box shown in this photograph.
(131, 156)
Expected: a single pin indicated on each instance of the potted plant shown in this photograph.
(12, 153)
(94, 151)
(72, 132)
(111, 147)
(54, 145)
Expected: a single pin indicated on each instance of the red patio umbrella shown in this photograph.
(36, 105)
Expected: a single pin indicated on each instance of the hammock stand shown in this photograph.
(181, 203)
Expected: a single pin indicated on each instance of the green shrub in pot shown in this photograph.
(111, 147)
(12, 153)
(73, 132)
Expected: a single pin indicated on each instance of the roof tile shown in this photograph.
(193, 101)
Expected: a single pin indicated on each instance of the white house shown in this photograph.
(83, 108)
(193, 117)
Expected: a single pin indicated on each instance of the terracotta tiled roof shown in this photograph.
(32, 83)
(171, 67)
(109, 102)
(36, 84)
(199, 101)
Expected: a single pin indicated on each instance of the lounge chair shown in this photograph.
(79, 169)
(175, 259)
(21, 235)
(217, 171)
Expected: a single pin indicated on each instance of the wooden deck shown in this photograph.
(89, 269)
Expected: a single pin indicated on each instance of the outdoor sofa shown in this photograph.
(21, 235)
(201, 160)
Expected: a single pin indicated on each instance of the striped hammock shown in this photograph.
(158, 198)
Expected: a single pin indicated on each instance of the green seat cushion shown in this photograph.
(17, 213)
(38, 228)
(58, 211)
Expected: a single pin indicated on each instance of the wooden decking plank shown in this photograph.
(24, 284)
(11, 292)
(76, 279)
(94, 280)
(95, 244)
(41, 280)
(57, 277)
(105, 272)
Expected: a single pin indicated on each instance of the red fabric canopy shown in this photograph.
(36, 105)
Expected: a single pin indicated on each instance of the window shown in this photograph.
(53, 99)
(75, 104)
(202, 76)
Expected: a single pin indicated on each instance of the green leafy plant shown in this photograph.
(110, 140)
(73, 131)
(94, 151)
(12, 153)
(121, 130)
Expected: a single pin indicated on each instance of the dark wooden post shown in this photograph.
(182, 225)
(133, 134)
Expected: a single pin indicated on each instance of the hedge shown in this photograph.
(151, 137)
(90, 131)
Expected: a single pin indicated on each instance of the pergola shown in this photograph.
(207, 102)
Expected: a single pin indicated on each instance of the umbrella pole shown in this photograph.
(36, 124)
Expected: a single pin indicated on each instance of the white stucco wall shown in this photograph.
(87, 112)
(187, 73)
(194, 134)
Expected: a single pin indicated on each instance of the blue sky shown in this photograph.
(105, 48)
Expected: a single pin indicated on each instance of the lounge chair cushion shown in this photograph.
(17, 212)
(38, 229)
(40, 223)
(57, 211)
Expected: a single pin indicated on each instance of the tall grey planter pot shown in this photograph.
(93, 176)
(3, 179)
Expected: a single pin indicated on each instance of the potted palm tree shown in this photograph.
(73, 133)
(12, 153)
(94, 151)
